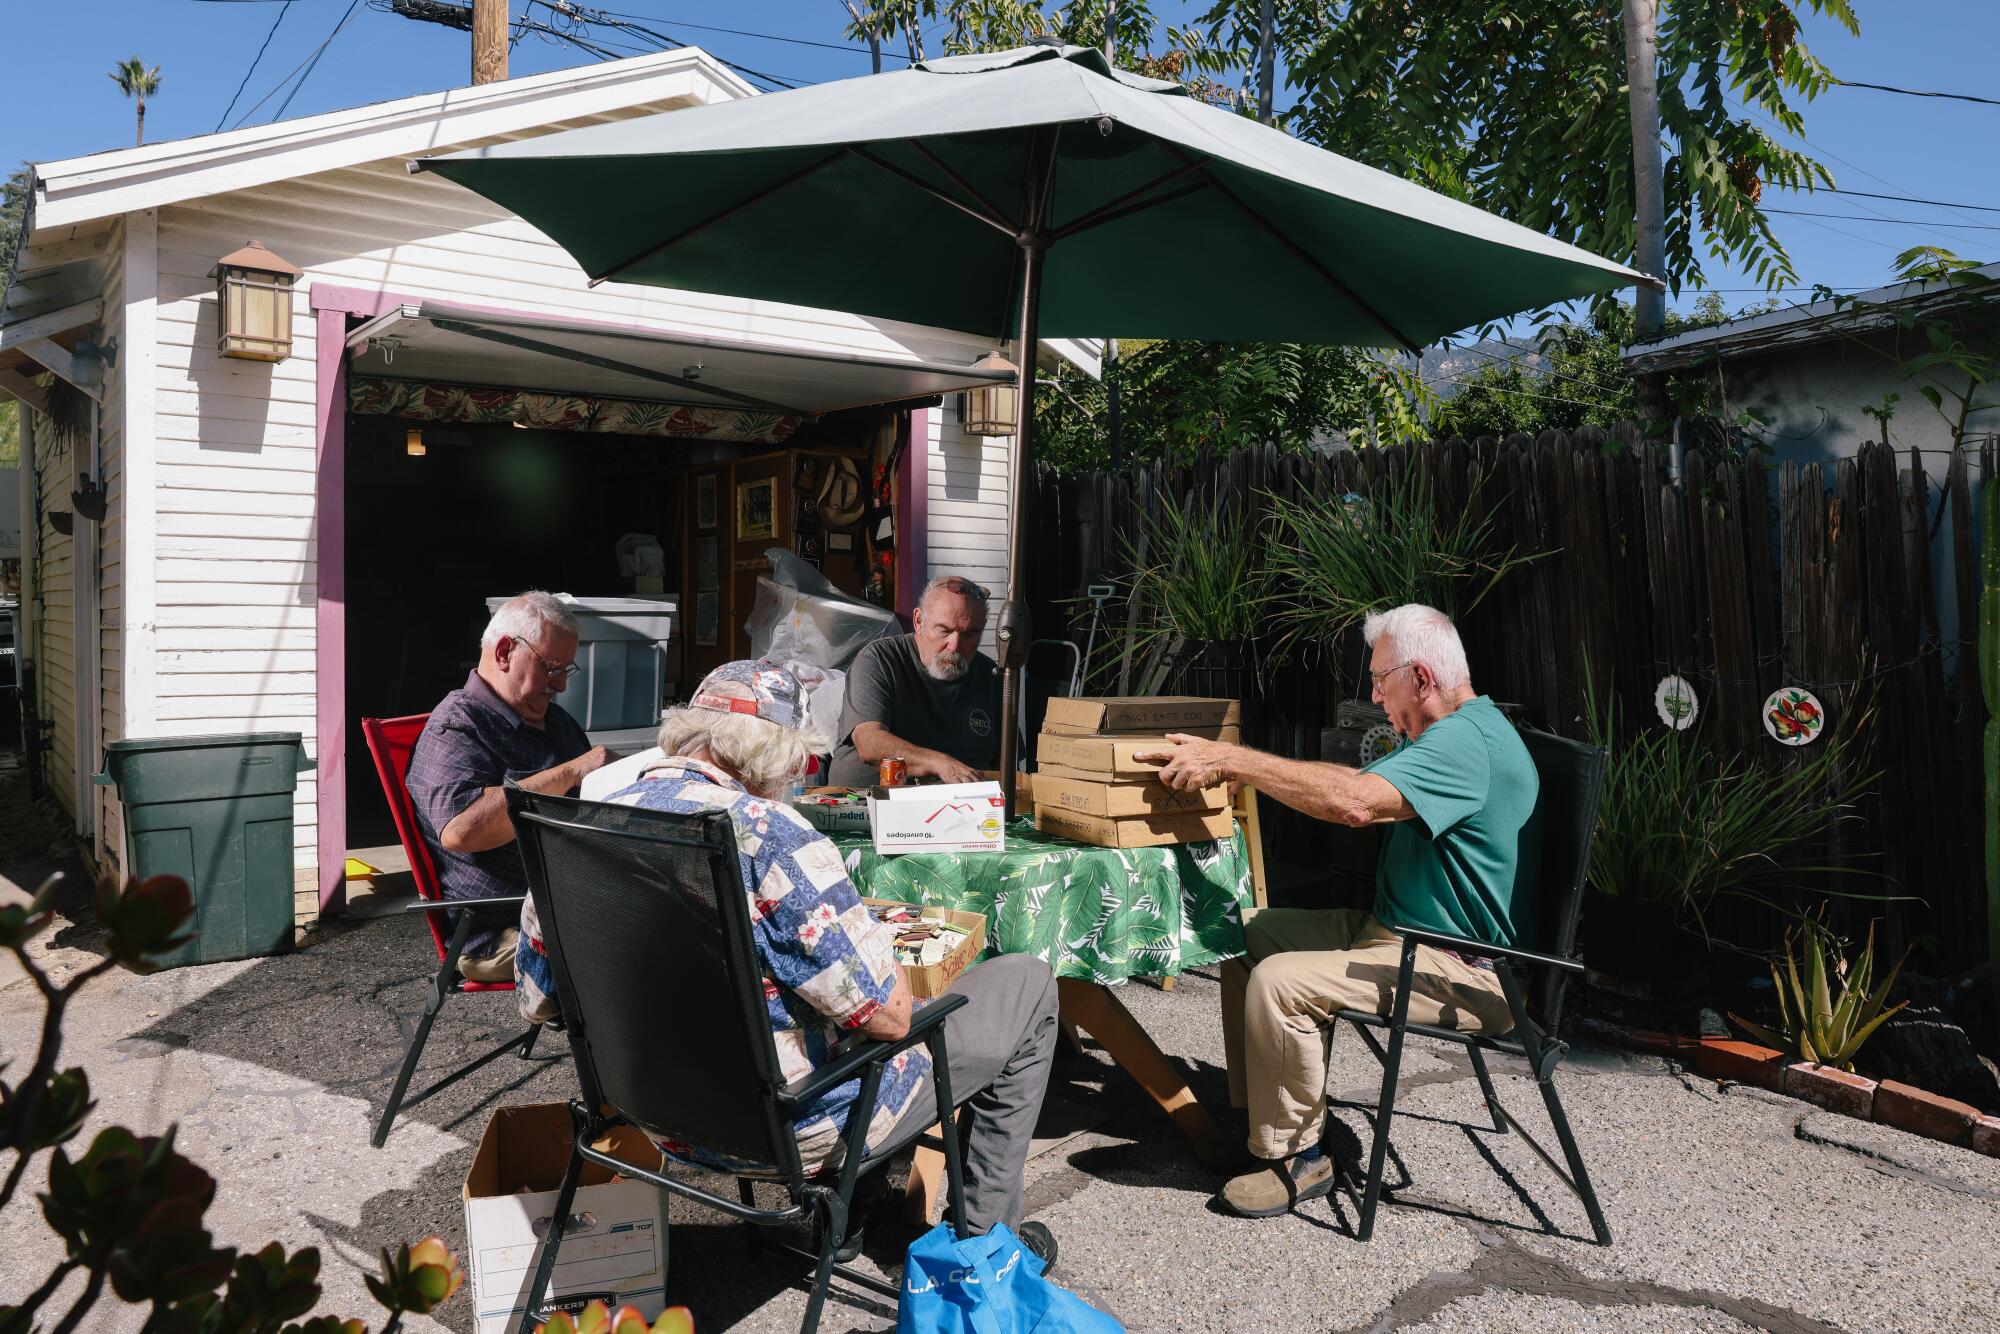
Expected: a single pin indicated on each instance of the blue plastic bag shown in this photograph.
(987, 1285)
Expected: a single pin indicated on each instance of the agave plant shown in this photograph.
(1817, 1026)
(1339, 558)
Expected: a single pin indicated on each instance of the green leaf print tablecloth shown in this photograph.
(1097, 914)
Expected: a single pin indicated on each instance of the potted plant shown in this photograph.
(1683, 825)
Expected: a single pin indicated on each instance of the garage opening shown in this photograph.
(486, 455)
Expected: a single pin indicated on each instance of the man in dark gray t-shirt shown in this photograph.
(930, 697)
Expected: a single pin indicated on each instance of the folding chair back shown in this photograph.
(646, 921)
(390, 741)
(1572, 779)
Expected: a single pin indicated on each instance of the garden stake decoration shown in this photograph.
(1989, 681)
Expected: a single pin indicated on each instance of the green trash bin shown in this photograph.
(216, 811)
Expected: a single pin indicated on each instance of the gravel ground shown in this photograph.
(1731, 1208)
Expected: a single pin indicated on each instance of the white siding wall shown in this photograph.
(968, 502)
(237, 552)
(55, 589)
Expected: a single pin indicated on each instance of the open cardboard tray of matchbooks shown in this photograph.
(927, 980)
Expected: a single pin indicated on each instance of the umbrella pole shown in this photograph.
(1015, 631)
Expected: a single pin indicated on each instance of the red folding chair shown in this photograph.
(390, 741)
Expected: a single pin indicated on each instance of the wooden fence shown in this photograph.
(1738, 577)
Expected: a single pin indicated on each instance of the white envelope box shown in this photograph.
(940, 817)
(614, 1247)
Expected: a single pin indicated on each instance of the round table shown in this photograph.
(1092, 914)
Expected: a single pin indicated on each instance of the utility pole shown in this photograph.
(489, 41)
(1642, 79)
(1267, 59)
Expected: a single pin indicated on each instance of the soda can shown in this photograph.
(894, 771)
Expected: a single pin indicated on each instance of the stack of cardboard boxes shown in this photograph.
(1089, 787)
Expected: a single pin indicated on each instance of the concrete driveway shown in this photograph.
(1732, 1208)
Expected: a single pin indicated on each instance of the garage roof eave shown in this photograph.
(449, 343)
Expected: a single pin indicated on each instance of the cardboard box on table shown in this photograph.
(614, 1247)
(939, 817)
(930, 980)
(1141, 831)
(1087, 796)
(1143, 714)
(1106, 759)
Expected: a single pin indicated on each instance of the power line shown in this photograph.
(352, 5)
(301, 66)
(254, 62)
(763, 36)
(1905, 199)
(1907, 222)
(1917, 92)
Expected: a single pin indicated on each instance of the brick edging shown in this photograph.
(1886, 1102)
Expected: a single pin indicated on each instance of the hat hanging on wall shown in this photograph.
(841, 497)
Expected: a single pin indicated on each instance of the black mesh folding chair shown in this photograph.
(646, 922)
(1572, 782)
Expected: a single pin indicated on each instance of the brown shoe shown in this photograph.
(1277, 1187)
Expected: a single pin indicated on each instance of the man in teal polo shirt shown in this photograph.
(1461, 857)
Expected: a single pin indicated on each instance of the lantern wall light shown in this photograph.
(992, 409)
(254, 290)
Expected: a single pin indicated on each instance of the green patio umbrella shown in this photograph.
(1026, 194)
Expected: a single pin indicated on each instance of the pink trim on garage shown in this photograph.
(913, 492)
(331, 307)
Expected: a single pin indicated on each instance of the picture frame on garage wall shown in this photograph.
(704, 501)
(757, 509)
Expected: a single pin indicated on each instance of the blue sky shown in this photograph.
(57, 101)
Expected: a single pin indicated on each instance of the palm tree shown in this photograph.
(135, 80)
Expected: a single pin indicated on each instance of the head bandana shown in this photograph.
(760, 688)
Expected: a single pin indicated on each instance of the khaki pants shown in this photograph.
(497, 966)
(1303, 966)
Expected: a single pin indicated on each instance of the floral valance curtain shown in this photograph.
(425, 401)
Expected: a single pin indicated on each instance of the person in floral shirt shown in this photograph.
(829, 966)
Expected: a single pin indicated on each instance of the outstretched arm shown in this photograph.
(1331, 792)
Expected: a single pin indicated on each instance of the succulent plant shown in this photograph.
(1817, 1026)
(597, 1318)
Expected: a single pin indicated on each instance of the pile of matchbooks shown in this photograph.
(1089, 787)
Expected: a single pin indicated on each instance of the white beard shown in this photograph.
(947, 667)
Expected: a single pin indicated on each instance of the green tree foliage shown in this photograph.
(1519, 106)
(1578, 378)
(13, 208)
(137, 80)
(1178, 398)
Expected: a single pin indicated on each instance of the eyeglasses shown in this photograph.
(552, 668)
(1387, 672)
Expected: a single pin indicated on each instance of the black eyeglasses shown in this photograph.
(965, 588)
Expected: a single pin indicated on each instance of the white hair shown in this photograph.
(763, 754)
(524, 615)
(1422, 634)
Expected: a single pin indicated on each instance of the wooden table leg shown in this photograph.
(1099, 1012)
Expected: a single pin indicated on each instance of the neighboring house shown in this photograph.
(1809, 371)
(272, 555)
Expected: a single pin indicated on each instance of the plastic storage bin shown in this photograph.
(623, 654)
(216, 811)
